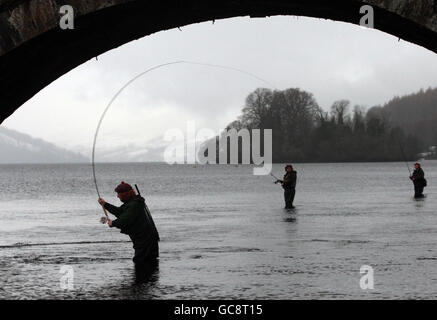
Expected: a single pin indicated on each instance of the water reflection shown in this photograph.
(147, 272)
(231, 238)
(419, 202)
(290, 215)
(141, 283)
(290, 219)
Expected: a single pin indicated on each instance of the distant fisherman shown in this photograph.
(135, 220)
(289, 185)
(418, 178)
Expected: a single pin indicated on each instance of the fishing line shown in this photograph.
(274, 176)
(299, 176)
(139, 76)
(405, 158)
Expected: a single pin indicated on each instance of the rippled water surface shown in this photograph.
(224, 232)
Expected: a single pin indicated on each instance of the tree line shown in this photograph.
(415, 113)
(304, 132)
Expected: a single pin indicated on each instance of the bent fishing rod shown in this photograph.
(99, 124)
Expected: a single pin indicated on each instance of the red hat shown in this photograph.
(123, 187)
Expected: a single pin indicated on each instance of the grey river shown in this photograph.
(224, 232)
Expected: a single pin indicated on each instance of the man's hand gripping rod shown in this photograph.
(277, 180)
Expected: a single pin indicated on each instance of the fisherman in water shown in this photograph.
(289, 185)
(418, 178)
(135, 220)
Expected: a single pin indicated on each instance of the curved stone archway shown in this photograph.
(34, 50)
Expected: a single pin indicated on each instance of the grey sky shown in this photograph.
(333, 60)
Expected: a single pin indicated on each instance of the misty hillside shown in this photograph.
(16, 147)
(416, 114)
(304, 132)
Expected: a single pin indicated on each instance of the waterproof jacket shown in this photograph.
(418, 178)
(289, 181)
(134, 219)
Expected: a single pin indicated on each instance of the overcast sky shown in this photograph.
(332, 60)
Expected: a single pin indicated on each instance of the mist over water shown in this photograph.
(224, 232)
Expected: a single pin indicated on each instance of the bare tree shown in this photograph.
(257, 108)
(339, 110)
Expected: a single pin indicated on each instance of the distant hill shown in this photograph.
(16, 147)
(416, 114)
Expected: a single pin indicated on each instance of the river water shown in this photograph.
(224, 233)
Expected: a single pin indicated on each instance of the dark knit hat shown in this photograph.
(123, 187)
(288, 166)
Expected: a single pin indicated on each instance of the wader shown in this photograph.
(289, 197)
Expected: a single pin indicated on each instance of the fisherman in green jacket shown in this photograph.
(289, 185)
(135, 220)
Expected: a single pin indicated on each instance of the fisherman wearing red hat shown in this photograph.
(135, 220)
(419, 181)
(289, 185)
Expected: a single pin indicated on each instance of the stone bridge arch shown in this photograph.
(34, 50)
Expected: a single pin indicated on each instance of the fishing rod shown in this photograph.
(99, 124)
(106, 214)
(405, 158)
(277, 179)
(138, 190)
(274, 176)
(148, 214)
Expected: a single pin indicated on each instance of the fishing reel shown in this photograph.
(103, 220)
